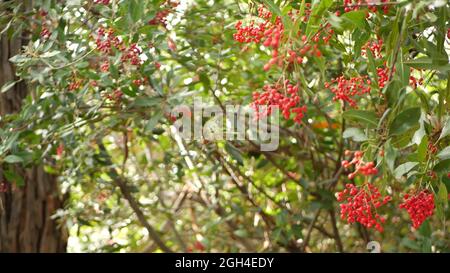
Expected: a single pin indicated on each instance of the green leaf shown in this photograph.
(425, 229)
(369, 118)
(356, 18)
(426, 243)
(136, 9)
(390, 154)
(444, 154)
(13, 177)
(372, 66)
(13, 159)
(205, 81)
(404, 169)
(446, 130)
(147, 101)
(276, 11)
(424, 99)
(410, 244)
(153, 121)
(405, 121)
(443, 194)
(402, 140)
(403, 70)
(19, 59)
(8, 85)
(50, 54)
(442, 167)
(360, 38)
(422, 149)
(234, 152)
(427, 63)
(355, 133)
(272, 7)
(316, 14)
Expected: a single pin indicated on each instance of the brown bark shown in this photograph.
(25, 212)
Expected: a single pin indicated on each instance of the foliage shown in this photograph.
(371, 79)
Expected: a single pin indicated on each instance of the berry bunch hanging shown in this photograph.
(106, 40)
(361, 167)
(132, 54)
(419, 206)
(160, 18)
(283, 96)
(286, 49)
(361, 204)
(345, 89)
(374, 46)
(103, 2)
(45, 31)
(351, 5)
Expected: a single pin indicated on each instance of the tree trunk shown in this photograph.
(25, 212)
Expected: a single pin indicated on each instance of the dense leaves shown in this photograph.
(364, 89)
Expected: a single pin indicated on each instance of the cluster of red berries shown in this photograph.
(383, 76)
(432, 149)
(289, 102)
(362, 167)
(361, 205)
(132, 54)
(350, 5)
(115, 96)
(104, 67)
(270, 34)
(419, 206)
(249, 33)
(413, 81)
(139, 82)
(360, 201)
(74, 85)
(45, 31)
(344, 89)
(104, 2)
(106, 40)
(374, 46)
(161, 16)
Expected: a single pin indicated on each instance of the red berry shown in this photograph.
(419, 206)
(285, 97)
(361, 204)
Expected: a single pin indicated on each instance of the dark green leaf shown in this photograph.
(368, 118)
(405, 121)
(13, 159)
(235, 153)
